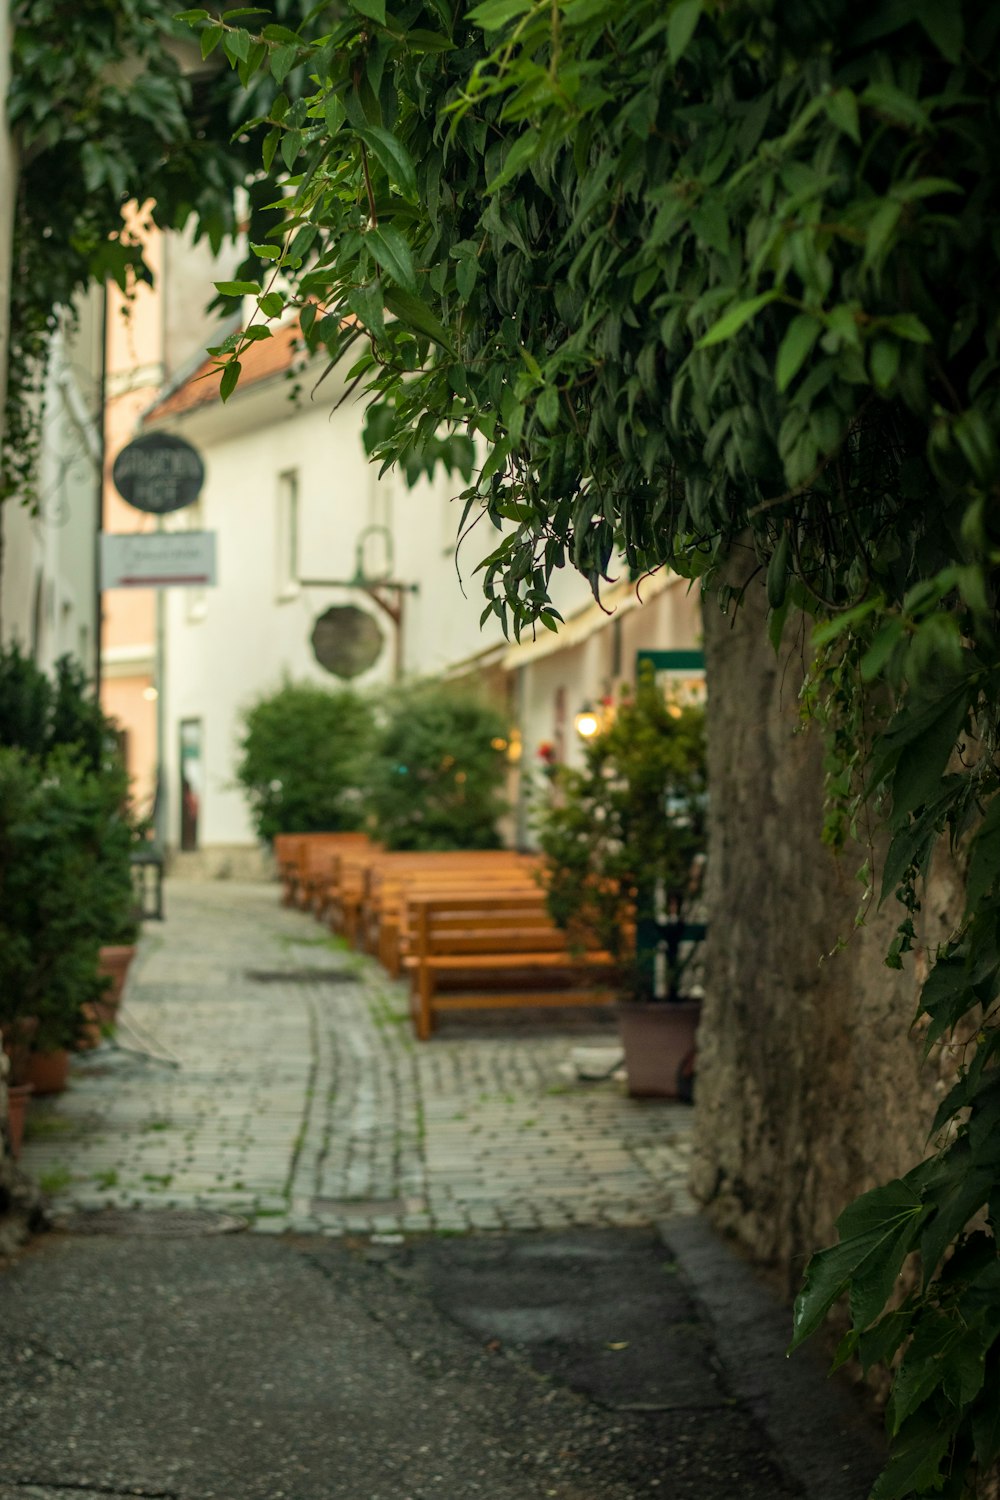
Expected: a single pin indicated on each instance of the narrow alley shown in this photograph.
(464, 1272)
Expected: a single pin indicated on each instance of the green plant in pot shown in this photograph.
(68, 781)
(61, 838)
(624, 841)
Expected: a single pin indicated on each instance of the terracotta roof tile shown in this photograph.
(259, 361)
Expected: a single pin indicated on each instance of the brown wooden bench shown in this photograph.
(477, 940)
(396, 876)
(286, 855)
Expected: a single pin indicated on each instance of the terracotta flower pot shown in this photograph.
(658, 1038)
(17, 1108)
(113, 963)
(18, 1035)
(48, 1072)
(90, 1029)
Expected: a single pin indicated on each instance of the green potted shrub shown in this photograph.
(437, 772)
(302, 755)
(51, 828)
(624, 841)
(65, 868)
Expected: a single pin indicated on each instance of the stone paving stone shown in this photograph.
(311, 1105)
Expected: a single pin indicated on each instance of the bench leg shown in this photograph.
(424, 994)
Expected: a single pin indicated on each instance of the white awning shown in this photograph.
(616, 600)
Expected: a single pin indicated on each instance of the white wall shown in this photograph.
(49, 587)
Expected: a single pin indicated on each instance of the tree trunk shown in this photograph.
(809, 1086)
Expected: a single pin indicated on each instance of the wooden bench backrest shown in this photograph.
(500, 923)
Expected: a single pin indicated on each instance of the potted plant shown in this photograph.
(66, 836)
(624, 841)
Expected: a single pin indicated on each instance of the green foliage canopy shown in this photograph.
(303, 754)
(108, 104)
(705, 275)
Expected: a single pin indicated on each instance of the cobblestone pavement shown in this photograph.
(281, 1082)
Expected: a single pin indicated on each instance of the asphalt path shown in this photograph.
(573, 1366)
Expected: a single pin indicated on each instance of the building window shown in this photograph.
(288, 534)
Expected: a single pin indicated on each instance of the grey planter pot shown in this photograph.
(656, 1039)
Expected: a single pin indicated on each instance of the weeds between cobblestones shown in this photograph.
(306, 1105)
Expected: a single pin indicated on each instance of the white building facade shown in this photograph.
(295, 506)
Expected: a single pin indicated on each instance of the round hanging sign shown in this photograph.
(347, 640)
(158, 473)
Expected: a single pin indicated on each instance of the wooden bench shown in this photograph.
(319, 863)
(493, 936)
(286, 856)
(396, 876)
(351, 903)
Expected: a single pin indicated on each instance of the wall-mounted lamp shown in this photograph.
(586, 722)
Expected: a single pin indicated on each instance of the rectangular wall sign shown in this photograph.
(157, 559)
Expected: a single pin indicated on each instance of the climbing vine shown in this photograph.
(690, 274)
(109, 103)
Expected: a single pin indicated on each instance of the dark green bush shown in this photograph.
(64, 848)
(303, 755)
(66, 836)
(37, 714)
(439, 766)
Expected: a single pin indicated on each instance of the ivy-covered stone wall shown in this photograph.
(811, 1088)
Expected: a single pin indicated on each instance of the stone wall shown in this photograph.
(810, 1085)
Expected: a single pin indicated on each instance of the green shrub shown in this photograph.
(38, 713)
(63, 842)
(303, 753)
(54, 720)
(632, 820)
(438, 770)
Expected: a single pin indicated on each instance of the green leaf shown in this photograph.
(877, 1232)
(842, 108)
(237, 45)
(272, 304)
(190, 16)
(230, 378)
(210, 39)
(908, 326)
(922, 763)
(884, 363)
(880, 230)
(986, 1418)
(984, 860)
(915, 1467)
(681, 27)
(524, 148)
(237, 288)
(282, 61)
(494, 14)
(373, 9)
(945, 27)
(291, 145)
(415, 314)
(881, 649)
(733, 320)
(392, 155)
(266, 252)
(886, 99)
(795, 348)
(393, 255)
